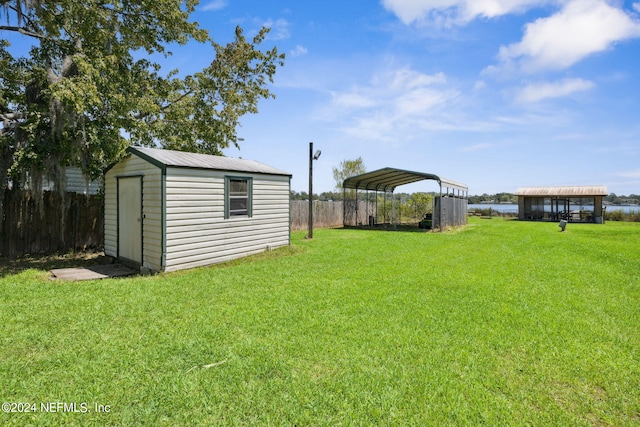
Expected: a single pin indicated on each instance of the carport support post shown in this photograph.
(310, 235)
(394, 218)
(368, 211)
(440, 213)
(344, 206)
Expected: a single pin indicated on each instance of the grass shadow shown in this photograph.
(9, 266)
(389, 227)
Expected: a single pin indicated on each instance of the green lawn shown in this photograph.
(499, 323)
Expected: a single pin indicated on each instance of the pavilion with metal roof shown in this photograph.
(449, 205)
(570, 203)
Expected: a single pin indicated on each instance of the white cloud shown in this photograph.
(409, 79)
(352, 100)
(582, 28)
(373, 127)
(420, 100)
(279, 29)
(476, 147)
(630, 174)
(539, 91)
(392, 103)
(215, 5)
(457, 11)
(579, 29)
(405, 91)
(410, 11)
(298, 51)
(494, 8)
(479, 85)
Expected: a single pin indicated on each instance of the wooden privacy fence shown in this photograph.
(58, 225)
(325, 214)
(454, 212)
(77, 221)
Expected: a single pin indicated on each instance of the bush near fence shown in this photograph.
(617, 215)
(633, 216)
(488, 212)
(60, 224)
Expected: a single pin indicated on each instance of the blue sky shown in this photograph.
(496, 94)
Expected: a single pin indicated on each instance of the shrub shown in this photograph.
(633, 216)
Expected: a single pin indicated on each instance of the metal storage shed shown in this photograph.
(170, 210)
(450, 206)
(570, 203)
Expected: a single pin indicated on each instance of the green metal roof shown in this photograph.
(387, 179)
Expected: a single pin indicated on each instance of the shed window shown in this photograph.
(237, 197)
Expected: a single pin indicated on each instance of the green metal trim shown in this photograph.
(163, 218)
(226, 197)
(249, 180)
(250, 196)
(117, 217)
(149, 159)
(289, 194)
(142, 220)
(110, 166)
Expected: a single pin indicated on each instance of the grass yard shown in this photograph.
(500, 323)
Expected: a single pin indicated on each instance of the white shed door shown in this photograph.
(130, 219)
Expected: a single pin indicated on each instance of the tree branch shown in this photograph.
(21, 30)
(164, 107)
(11, 116)
(180, 98)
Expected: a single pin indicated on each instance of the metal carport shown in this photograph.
(451, 213)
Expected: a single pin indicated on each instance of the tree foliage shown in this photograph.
(347, 169)
(493, 198)
(418, 205)
(88, 87)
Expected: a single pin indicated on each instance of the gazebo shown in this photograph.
(570, 203)
(449, 204)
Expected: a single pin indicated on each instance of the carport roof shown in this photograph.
(387, 179)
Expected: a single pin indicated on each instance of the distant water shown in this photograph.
(513, 208)
(506, 208)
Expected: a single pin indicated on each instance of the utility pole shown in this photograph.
(312, 157)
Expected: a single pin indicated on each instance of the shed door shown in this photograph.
(130, 219)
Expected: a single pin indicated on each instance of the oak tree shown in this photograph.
(89, 85)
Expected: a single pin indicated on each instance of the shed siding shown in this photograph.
(151, 209)
(198, 234)
(75, 182)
